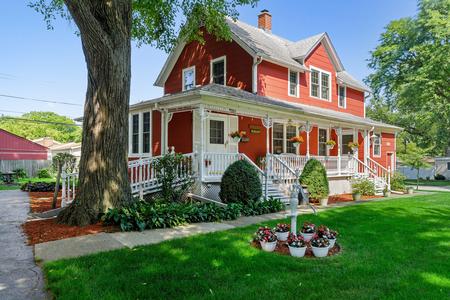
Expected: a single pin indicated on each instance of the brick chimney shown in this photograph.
(265, 20)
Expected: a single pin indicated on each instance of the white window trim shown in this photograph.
(182, 76)
(345, 96)
(373, 146)
(138, 133)
(297, 94)
(326, 139)
(224, 58)
(150, 133)
(284, 123)
(311, 68)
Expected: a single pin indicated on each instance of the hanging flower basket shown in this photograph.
(354, 146)
(296, 140)
(237, 135)
(330, 144)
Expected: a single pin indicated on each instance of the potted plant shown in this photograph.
(330, 144)
(266, 238)
(354, 146)
(330, 235)
(386, 192)
(297, 245)
(409, 190)
(282, 231)
(320, 246)
(356, 195)
(296, 140)
(237, 135)
(308, 230)
(324, 201)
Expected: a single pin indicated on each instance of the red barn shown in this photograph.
(14, 147)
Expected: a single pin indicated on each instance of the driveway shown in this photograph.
(20, 278)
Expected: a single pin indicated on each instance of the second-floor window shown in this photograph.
(342, 97)
(218, 70)
(146, 132)
(188, 78)
(293, 83)
(135, 134)
(320, 82)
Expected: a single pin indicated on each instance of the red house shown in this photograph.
(14, 147)
(271, 89)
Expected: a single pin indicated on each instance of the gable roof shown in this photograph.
(259, 42)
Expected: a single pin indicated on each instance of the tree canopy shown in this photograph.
(33, 130)
(411, 76)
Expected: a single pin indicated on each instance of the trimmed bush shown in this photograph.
(20, 173)
(398, 181)
(142, 215)
(314, 176)
(240, 184)
(363, 186)
(439, 177)
(44, 173)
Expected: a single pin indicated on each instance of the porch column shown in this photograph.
(201, 162)
(166, 117)
(307, 130)
(267, 123)
(339, 138)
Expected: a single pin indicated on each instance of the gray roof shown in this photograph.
(348, 79)
(242, 95)
(301, 48)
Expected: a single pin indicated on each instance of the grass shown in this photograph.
(393, 249)
(18, 183)
(428, 182)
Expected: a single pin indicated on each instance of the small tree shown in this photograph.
(314, 176)
(414, 157)
(60, 161)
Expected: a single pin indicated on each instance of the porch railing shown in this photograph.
(69, 186)
(332, 164)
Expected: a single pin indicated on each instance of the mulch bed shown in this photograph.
(347, 198)
(282, 248)
(40, 231)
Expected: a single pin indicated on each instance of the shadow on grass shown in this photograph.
(390, 249)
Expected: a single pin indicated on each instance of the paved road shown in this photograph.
(20, 278)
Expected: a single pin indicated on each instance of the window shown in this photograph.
(342, 96)
(346, 138)
(146, 132)
(377, 145)
(448, 166)
(135, 134)
(188, 78)
(320, 84)
(293, 83)
(315, 83)
(218, 70)
(323, 135)
(216, 132)
(278, 138)
(291, 131)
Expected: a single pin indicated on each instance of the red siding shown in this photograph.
(256, 146)
(156, 133)
(387, 146)
(13, 147)
(238, 64)
(180, 132)
(273, 82)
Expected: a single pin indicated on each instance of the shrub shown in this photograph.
(398, 181)
(44, 173)
(314, 176)
(20, 173)
(363, 186)
(141, 215)
(38, 187)
(439, 177)
(240, 184)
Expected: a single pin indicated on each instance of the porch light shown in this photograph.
(373, 137)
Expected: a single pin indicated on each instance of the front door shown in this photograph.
(390, 160)
(218, 129)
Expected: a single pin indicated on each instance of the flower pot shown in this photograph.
(324, 202)
(307, 236)
(356, 196)
(268, 246)
(236, 139)
(354, 149)
(409, 190)
(296, 144)
(297, 252)
(330, 147)
(332, 242)
(387, 194)
(282, 236)
(320, 251)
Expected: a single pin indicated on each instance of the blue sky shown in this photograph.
(38, 63)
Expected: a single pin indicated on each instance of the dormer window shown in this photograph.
(342, 96)
(218, 70)
(188, 78)
(293, 84)
(320, 84)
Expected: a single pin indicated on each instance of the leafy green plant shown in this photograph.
(314, 176)
(398, 181)
(363, 186)
(439, 177)
(240, 184)
(20, 173)
(44, 173)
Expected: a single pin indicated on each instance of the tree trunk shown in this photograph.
(105, 30)
(58, 178)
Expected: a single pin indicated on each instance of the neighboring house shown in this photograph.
(18, 152)
(442, 166)
(71, 147)
(46, 141)
(425, 173)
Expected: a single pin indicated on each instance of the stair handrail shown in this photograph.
(385, 178)
(377, 164)
(284, 165)
(381, 171)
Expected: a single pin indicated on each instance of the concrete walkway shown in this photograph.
(433, 188)
(20, 278)
(94, 243)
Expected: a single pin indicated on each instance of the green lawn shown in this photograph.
(393, 249)
(428, 182)
(18, 183)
